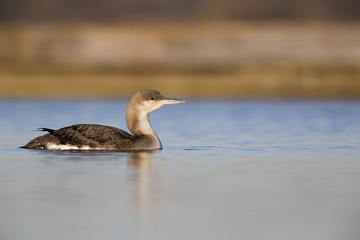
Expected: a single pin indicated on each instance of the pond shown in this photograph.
(230, 169)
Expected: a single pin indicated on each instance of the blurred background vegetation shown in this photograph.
(215, 48)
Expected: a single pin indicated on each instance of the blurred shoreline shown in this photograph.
(209, 59)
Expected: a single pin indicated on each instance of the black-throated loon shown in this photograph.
(99, 137)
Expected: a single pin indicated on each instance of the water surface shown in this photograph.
(230, 169)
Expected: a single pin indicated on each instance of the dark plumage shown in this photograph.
(99, 137)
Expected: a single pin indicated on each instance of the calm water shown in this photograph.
(240, 169)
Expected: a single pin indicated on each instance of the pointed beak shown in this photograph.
(172, 101)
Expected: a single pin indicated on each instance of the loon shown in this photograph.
(99, 137)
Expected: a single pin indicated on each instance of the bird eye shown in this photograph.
(152, 98)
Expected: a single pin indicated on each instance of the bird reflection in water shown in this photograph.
(139, 163)
(140, 179)
(139, 159)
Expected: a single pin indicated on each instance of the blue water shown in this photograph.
(230, 169)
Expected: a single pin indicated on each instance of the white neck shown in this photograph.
(138, 123)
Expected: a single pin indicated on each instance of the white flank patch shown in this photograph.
(53, 146)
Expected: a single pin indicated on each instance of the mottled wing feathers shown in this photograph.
(92, 135)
